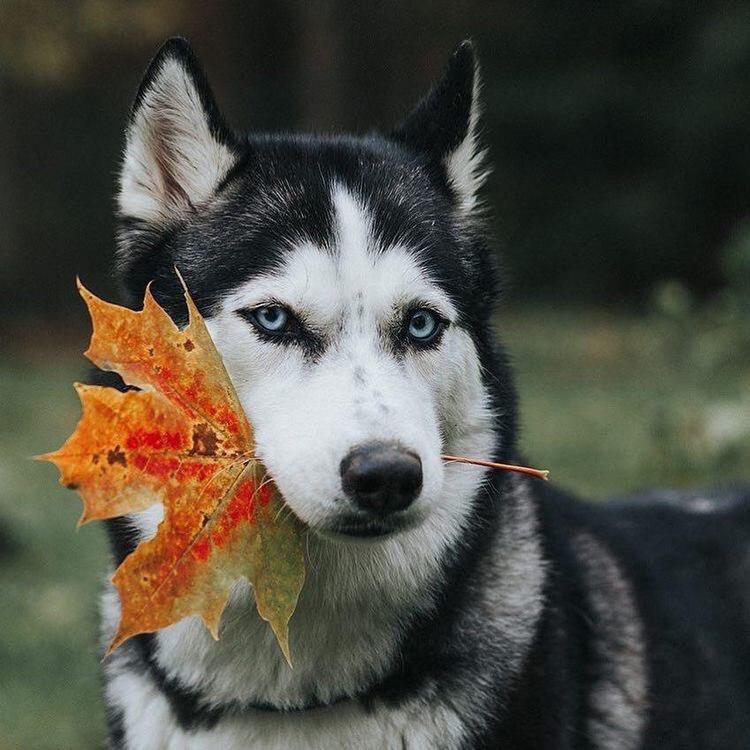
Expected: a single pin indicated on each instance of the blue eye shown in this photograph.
(424, 326)
(272, 318)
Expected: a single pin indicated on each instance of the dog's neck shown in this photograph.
(357, 600)
(355, 611)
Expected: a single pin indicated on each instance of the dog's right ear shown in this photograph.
(177, 148)
(444, 128)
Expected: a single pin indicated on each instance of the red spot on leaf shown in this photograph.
(162, 466)
(207, 471)
(207, 407)
(189, 470)
(201, 549)
(173, 440)
(264, 494)
(241, 506)
(220, 536)
(229, 419)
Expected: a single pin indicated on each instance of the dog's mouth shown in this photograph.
(352, 528)
(363, 530)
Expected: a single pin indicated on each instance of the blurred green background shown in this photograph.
(620, 193)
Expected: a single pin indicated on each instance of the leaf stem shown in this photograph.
(536, 473)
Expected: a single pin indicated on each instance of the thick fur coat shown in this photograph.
(349, 286)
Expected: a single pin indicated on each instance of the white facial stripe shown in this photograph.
(353, 238)
(324, 286)
(386, 277)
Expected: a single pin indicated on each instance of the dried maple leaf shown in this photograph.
(182, 440)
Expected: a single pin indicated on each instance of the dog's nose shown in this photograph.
(381, 477)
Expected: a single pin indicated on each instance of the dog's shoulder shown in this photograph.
(659, 523)
(663, 576)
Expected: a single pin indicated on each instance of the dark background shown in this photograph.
(619, 131)
(619, 136)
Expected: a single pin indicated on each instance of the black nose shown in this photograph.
(381, 477)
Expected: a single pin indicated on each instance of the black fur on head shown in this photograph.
(222, 207)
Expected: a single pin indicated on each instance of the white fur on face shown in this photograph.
(172, 161)
(308, 414)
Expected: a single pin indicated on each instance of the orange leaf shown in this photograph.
(183, 441)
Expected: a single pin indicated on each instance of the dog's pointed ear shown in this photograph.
(177, 148)
(444, 128)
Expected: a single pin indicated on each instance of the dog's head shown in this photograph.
(345, 282)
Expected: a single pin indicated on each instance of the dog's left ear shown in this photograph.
(178, 148)
(444, 128)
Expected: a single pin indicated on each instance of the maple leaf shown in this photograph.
(182, 440)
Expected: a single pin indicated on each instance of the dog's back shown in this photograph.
(688, 555)
(655, 591)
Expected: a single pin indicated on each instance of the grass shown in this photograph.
(609, 404)
(49, 575)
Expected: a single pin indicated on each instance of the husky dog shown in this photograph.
(348, 284)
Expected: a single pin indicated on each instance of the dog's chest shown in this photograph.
(149, 723)
(244, 666)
